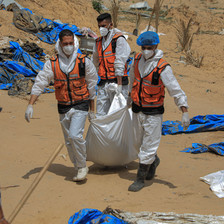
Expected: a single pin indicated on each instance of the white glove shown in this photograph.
(129, 101)
(91, 115)
(185, 120)
(29, 112)
(118, 90)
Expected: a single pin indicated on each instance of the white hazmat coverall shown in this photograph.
(73, 121)
(105, 93)
(148, 128)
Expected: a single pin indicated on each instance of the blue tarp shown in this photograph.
(198, 123)
(93, 216)
(31, 63)
(217, 148)
(22, 63)
(51, 32)
(19, 67)
(5, 86)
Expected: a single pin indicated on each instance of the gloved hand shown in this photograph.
(91, 115)
(129, 101)
(118, 90)
(29, 112)
(185, 120)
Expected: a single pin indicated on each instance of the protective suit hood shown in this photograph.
(107, 41)
(113, 32)
(158, 55)
(66, 64)
(59, 50)
(146, 66)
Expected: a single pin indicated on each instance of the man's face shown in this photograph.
(105, 23)
(67, 40)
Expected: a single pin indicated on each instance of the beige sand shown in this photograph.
(176, 188)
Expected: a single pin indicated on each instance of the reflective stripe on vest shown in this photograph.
(148, 91)
(107, 57)
(70, 88)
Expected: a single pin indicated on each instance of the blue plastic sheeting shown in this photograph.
(28, 10)
(5, 86)
(48, 90)
(93, 216)
(217, 148)
(22, 63)
(20, 68)
(50, 35)
(198, 123)
(129, 62)
(22, 56)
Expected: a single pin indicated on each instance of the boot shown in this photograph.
(141, 174)
(152, 169)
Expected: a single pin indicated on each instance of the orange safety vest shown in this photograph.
(70, 88)
(107, 57)
(148, 91)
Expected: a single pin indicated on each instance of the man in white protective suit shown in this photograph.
(149, 75)
(75, 79)
(110, 55)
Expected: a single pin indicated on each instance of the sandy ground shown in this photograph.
(176, 188)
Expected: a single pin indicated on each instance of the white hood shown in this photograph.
(67, 64)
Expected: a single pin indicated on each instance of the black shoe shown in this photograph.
(152, 169)
(139, 183)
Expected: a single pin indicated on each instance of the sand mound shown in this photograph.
(79, 13)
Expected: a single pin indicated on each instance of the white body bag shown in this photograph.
(110, 139)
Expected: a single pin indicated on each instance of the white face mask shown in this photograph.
(69, 49)
(148, 53)
(103, 31)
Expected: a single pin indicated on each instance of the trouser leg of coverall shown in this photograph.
(105, 98)
(73, 123)
(147, 129)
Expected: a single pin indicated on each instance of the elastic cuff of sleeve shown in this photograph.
(186, 106)
(183, 105)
